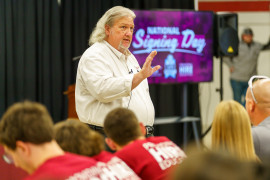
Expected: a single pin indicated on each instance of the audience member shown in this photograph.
(151, 158)
(26, 132)
(76, 137)
(243, 66)
(211, 165)
(260, 171)
(258, 108)
(109, 76)
(231, 131)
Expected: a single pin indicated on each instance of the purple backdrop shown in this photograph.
(183, 40)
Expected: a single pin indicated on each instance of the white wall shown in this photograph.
(209, 98)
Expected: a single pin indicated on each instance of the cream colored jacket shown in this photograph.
(104, 80)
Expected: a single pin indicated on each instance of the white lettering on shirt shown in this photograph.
(115, 169)
(166, 154)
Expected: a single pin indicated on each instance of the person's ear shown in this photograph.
(251, 106)
(107, 29)
(111, 144)
(23, 148)
(142, 127)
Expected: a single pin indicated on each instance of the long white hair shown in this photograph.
(109, 18)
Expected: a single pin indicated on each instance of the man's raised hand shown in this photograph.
(147, 69)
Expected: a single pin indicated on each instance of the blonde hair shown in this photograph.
(231, 131)
(109, 18)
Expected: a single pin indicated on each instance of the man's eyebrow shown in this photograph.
(126, 24)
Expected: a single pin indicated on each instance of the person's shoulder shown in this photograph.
(70, 157)
(103, 156)
(255, 129)
(158, 139)
(98, 50)
(257, 44)
(137, 144)
(266, 120)
(129, 148)
(261, 130)
(264, 124)
(61, 167)
(98, 47)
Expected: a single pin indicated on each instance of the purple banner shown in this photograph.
(183, 40)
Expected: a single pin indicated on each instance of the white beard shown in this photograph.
(123, 48)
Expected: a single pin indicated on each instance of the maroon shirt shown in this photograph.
(74, 167)
(111, 161)
(152, 158)
(61, 167)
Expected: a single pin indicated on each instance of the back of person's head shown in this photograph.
(28, 122)
(109, 18)
(76, 137)
(231, 130)
(213, 166)
(259, 96)
(260, 171)
(122, 126)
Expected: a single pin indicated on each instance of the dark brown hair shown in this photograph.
(122, 126)
(28, 122)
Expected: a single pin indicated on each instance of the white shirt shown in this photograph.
(104, 80)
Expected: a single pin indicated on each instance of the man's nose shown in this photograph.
(129, 32)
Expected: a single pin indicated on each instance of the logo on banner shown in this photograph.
(170, 69)
(185, 69)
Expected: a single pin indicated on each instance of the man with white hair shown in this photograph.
(258, 108)
(109, 76)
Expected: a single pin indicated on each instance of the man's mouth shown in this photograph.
(126, 40)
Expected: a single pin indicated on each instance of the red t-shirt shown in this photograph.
(61, 167)
(109, 162)
(103, 156)
(152, 158)
(74, 167)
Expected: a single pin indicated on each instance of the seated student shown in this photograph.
(211, 165)
(76, 137)
(231, 131)
(26, 132)
(151, 158)
(258, 108)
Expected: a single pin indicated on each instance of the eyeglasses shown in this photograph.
(250, 84)
(7, 158)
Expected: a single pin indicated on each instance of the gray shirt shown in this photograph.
(245, 64)
(261, 138)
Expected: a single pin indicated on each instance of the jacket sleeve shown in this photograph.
(267, 45)
(228, 61)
